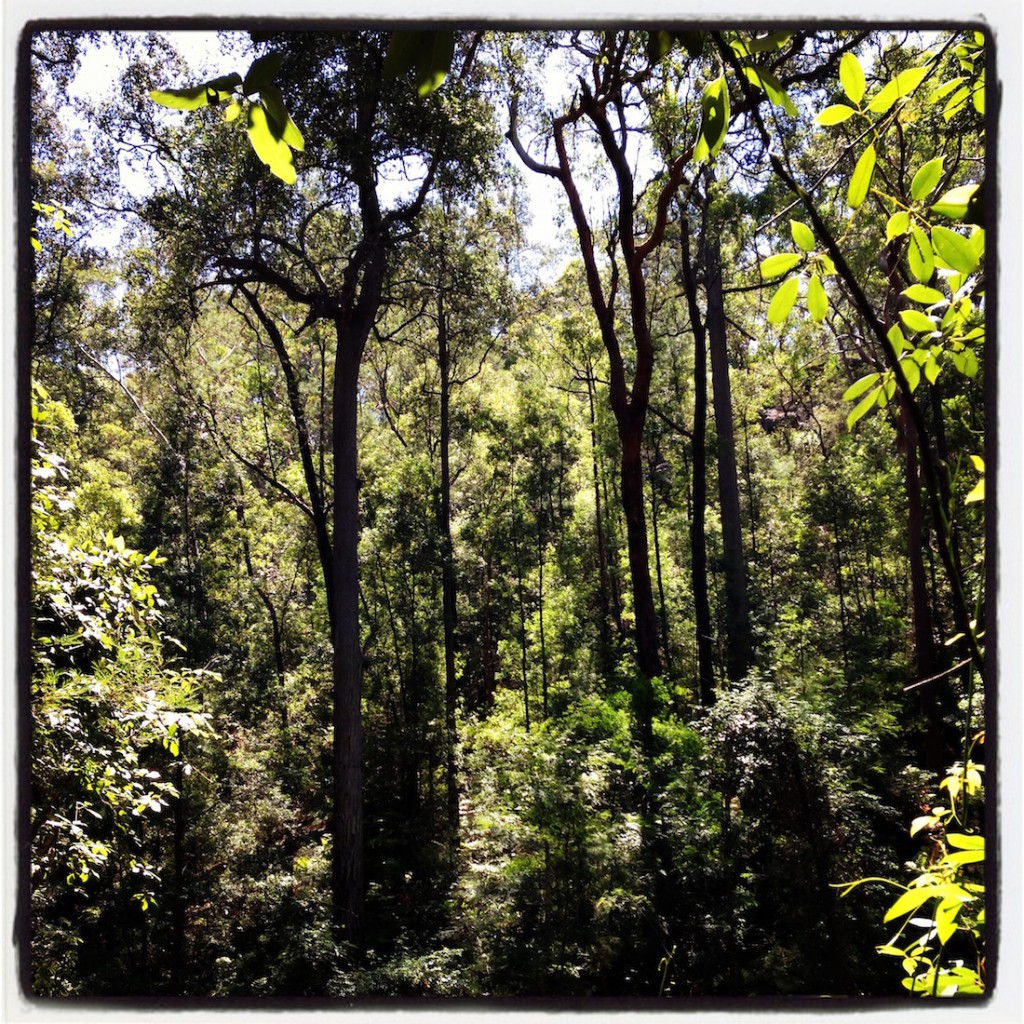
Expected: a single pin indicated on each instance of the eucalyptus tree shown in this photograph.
(612, 66)
(373, 151)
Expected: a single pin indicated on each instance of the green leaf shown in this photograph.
(917, 322)
(926, 178)
(896, 339)
(956, 103)
(219, 89)
(863, 408)
(954, 203)
(772, 87)
(897, 225)
(232, 111)
(962, 857)
(945, 919)
(954, 249)
(181, 99)
(403, 49)
(837, 113)
(659, 45)
(802, 235)
(924, 295)
(434, 61)
(912, 372)
(428, 53)
(944, 90)
(932, 368)
(897, 88)
(714, 115)
(851, 75)
(858, 387)
(861, 180)
(281, 124)
(920, 256)
(817, 300)
(262, 73)
(914, 898)
(783, 300)
(779, 264)
(274, 152)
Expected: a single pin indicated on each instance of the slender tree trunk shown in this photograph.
(517, 554)
(663, 613)
(602, 551)
(925, 658)
(448, 595)
(347, 819)
(540, 624)
(737, 613)
(180, 903)
(698, 528)
(632, 496)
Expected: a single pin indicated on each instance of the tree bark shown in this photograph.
(347, 815)
(737, 611)
(448, 594)
(698, 527)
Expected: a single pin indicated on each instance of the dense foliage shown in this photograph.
(602, 621)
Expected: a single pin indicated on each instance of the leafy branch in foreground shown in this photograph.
(272, 132)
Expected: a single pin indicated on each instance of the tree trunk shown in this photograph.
(925, 659)
(632, 497)
(178, 922)
(448, 595)
(737, 613)
(663, 613)
(698, 529)
(347, 820)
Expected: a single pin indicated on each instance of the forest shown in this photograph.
(505, 513)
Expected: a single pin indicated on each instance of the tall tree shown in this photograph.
(250, 233)
(604, 103)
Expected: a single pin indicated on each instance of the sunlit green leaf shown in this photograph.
(274, 152)
(926, 178)
(803, 236)
(920, 256)
(783, 300)
(715, 114)
(944, 90)
(912, 372)
(917, 897)
(858, 387)
(181, 99)
(779, 264)
(956, 103)
(851, 75)
(865, 406)
(917, 321)
(897, 225)
(923, 294)
(280, 122)
(772, 87)
(837, 113)
(817, 300)
(954, 249)
(897, 88)
(954, 203)
(860, 182)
